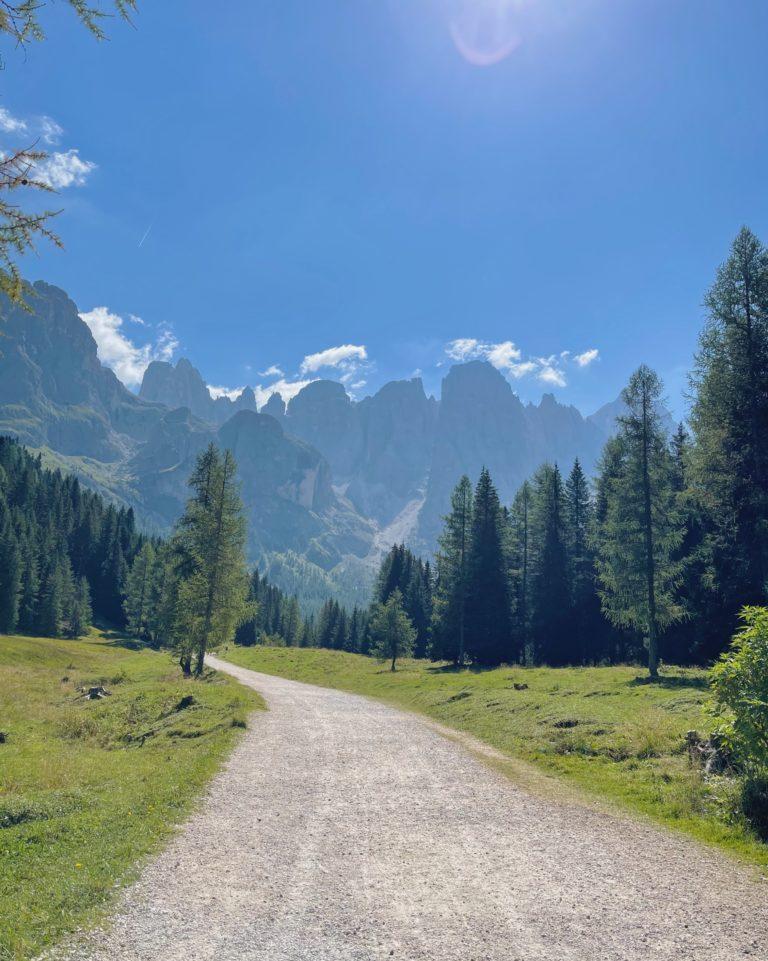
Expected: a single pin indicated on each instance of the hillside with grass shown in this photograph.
(606, 729)
(90, 788)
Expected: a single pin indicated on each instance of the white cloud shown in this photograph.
(585, 359)
(508, 358)
(552, 375)
(273, 371)
(231, 392)
(503, 355)
(11, 124)
(50, 131)
(64, 169)
(464, 348)
(287, 389)
(345, 357)
(117, 351)
(61, 168)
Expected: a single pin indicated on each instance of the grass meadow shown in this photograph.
(89, 788)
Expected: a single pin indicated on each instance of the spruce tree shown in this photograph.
(640, 530)
(139, 589)
(10, 578)
(80, 614)
(452, 580)
(520, 564)
(488, 614)
(729, 418)
(550, 582)
(585, 603)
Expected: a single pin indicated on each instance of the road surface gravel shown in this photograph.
(344, 830)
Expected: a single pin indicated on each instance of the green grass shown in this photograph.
(90, 788)
(603, 729)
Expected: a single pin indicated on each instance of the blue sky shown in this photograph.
(534, 176)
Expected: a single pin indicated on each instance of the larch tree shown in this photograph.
(392, 633)
(449, 610)
(213, 589)
(20, 169)
(640, 531)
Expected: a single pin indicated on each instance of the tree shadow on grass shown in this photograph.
(674, 681)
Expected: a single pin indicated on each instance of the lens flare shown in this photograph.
(485, 32)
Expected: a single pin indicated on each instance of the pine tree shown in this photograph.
(488, 613)
(640, 531)
(392, 633)
(729, 418)
(452, 580)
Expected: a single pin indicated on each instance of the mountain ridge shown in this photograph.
(324, 477)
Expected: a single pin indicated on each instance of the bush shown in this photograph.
(754, 804)
(740, 685)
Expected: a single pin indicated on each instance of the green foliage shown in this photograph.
(740, 686)
(640, 528)
(729, 418)
(488, 622)
(402, 570)
(21, 20)
(210, 544)
(64, 552)
(452, 577)
(392, 633)
(550, 584)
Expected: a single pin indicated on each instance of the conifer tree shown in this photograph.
(520, 561)
(452, 581)
(213, 589)
(139, 588)
(729, 418)
(488, 614)
(550, 583)
(640, 530)
(10, 578)
(579, 529)
(80, 614)
(392, 633)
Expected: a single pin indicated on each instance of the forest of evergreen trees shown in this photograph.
(652, 560)
(64, 552)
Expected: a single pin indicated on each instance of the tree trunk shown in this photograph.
(186, 664)
(650, 563)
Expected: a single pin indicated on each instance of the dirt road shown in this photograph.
(343, 829)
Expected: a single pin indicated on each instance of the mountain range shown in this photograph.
(328, 482)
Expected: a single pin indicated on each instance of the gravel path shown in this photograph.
(342, 829)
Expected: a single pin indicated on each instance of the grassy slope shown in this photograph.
(600, 727)
(82, 800)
